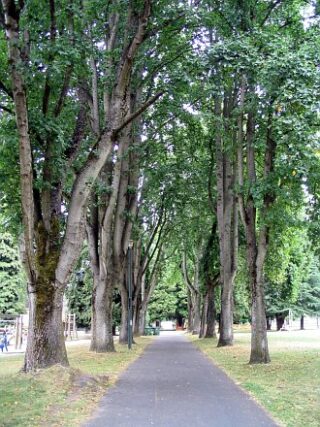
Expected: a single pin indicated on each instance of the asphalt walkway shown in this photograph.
(174, 385)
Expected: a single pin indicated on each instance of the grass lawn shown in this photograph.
(60, 396)
(288, 387)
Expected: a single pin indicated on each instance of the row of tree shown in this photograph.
(189, 128)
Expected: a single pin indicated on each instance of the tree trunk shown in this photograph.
(190, 312)
(204, 313)
(211, 275)
(227, 214)
(45, 345)
(302, 322)
(123, 337)
(280, 317)
(269, 323)
(211, 314)
(145, 296)
(256, 242)
(102, 302)
(196, 315)
(259, 340)
(136, 316)
(226, 316)
(255, 258)
(208, 318)
(194, 296)
(142, 321)
(147, 293)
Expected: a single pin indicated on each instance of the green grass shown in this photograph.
(60, 396)
(288, 387)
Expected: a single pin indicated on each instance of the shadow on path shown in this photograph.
(174, 385)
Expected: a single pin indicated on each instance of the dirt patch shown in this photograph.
(84, 384)
(79, 387)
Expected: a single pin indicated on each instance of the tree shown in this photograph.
(78, 91)
(113, 211)
(50, 81)
(209, 272)
(256, 108)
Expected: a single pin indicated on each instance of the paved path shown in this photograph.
(174, 385)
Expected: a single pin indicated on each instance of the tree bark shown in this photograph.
(256, 252)
(145, 260)
(102, 301)
(142, 321)
(204, 312)
(259, 341)
(210, 331)
(46, 344)
(194, 296)
(269, 323)
(114, 232)
(148, 290)
(12, 16)
(190, 312)
(256, 241)
(280, 320)
(196, 316)
(302, 322)
(123, 337)
(227, 226)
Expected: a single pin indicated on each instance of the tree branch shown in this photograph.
(95, 101)
(271, 8)
(153, 276)
(157, 68)
(240, 169)
(63, 92)
(53, 32)
(137, 113)
(12, 15)
(163, 25)
(212, 202)
(158, 243)
(154, 232)
(4, 108)
(130, 51)
(185, 274)
(92, 229)
(6, 90)
(79, 130)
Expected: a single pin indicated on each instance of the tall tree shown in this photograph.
(44, 88)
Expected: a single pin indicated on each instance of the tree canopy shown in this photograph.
(187, 131)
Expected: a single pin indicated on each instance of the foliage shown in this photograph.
(287, 265)
(169, 300)
(308, 301)
(79, 295)
(9, 177)
(241, 293)
(194, 55)
(12, 279)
